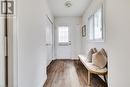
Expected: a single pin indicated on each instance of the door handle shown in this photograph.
(48, 44)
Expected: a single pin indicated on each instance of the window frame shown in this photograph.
(102, 39)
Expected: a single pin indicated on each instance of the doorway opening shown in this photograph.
(79, 26)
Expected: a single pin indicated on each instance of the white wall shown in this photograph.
(2, 61)
(118, 43)
(73, 50)
(117, 19)
(31, 42)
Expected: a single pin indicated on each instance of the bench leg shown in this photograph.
(105, 78)
(89, 79)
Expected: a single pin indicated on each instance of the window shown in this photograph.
(91, 29)
(95, 27)
(63, 34)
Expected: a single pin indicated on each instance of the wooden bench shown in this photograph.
(92, 69)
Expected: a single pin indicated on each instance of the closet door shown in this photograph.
(49, 39)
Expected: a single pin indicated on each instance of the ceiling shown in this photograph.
(77, 9)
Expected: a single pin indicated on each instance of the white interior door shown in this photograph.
(63, 42)
(49, 39)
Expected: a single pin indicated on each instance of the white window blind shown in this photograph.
(98, 24)
(95, 27)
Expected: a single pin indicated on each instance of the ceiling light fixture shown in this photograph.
(68, 3)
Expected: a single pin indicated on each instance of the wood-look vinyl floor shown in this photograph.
(70, 73)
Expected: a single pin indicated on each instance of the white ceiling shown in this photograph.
(77, 9)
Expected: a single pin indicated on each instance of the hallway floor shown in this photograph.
(70, 73)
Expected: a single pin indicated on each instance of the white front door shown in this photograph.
(63, 42)
(49, 39)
